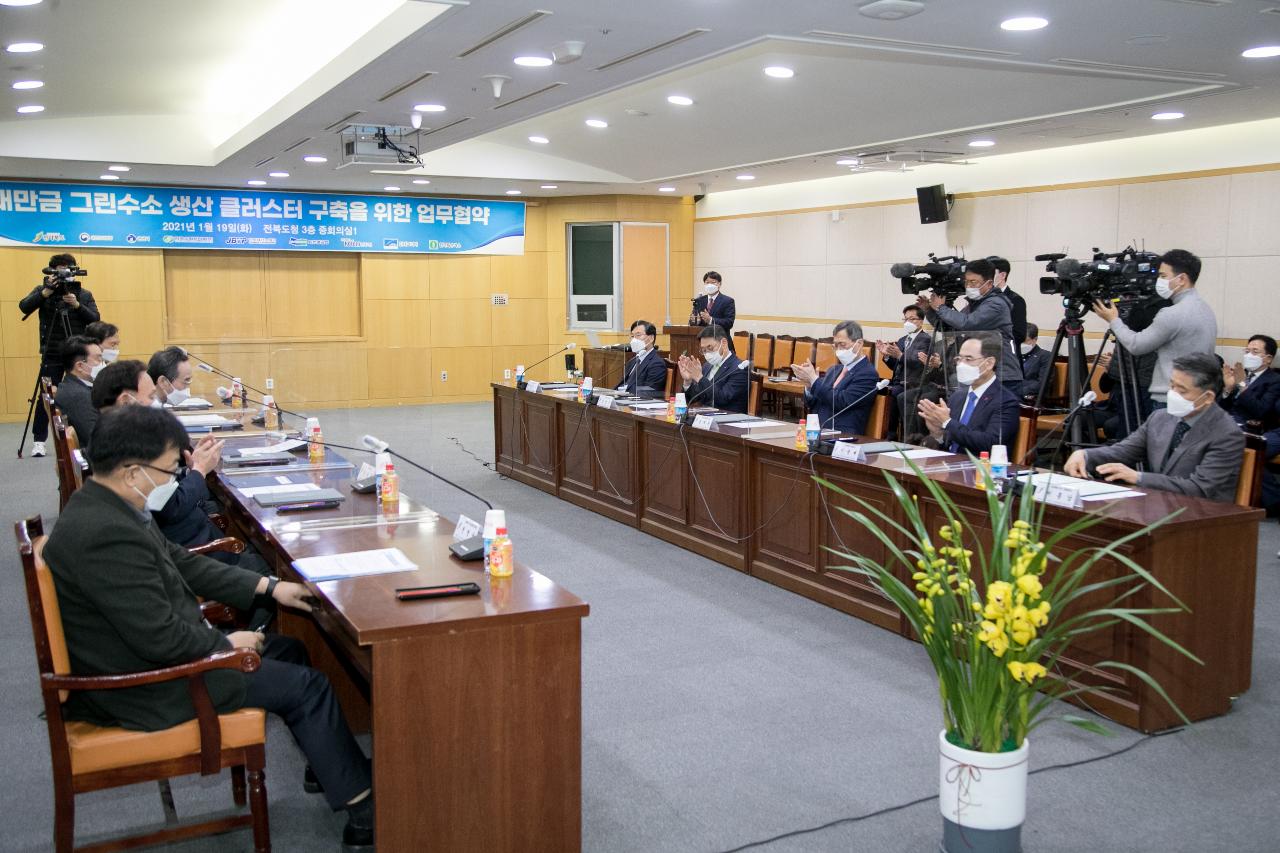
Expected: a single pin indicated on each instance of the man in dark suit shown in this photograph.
(985, 310)
(1035, 361)
(1193, 447)
(1017, 305)
(81, 363)
(713, 307)
(1252, 388)
(128, 603)
(723, 382)
(646, 374)
(916, 369)
(844, 395)
(979, 416)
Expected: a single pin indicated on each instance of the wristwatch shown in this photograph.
(271, 586)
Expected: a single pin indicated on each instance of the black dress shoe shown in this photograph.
(310, 783)
(357, 835)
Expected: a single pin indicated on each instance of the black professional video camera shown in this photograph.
(1124, 276)
(944, 276)
(64, 279)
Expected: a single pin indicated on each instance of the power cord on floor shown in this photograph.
(483, 462)
(900, 806)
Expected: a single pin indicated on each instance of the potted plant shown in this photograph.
(994, 621)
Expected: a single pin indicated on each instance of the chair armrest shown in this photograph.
(245, 660)
(217, 613)
(220, 521)
(228, 544)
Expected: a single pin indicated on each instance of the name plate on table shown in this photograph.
(702, 422)
(1064, 495)
(849, 452)
(604, 401)
(533, 387)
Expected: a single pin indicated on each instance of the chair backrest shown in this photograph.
(742, 345)
(42, 603)
(79, 467)
(878, 419)
(1025, 441)
(825, 355)
(671, 379)
(802, 350)
(784, 347)
(1249, 486)
(762, 350)
(46, 397)
(753, 396)
(1095, 383)
(63, 461)
(1058, 384)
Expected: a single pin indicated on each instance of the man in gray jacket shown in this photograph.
(1187, 326)
(986, 310)
(1192, 447)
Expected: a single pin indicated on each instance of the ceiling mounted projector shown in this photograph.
(891, 10)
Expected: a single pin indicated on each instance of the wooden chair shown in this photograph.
(878, 419)
(79, 467)
(742, 345)
(784, 348)
(670, 390)
(1025, 442)
(803, 348)
(762, 350)
(753, 395)
(1249, 487)
(64, 464)
(46, 398)
(88, 758)
(824, 355)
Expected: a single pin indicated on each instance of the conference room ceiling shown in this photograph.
(217, 94)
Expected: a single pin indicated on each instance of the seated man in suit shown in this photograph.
(724, 382)
(128, 602)
(107, 336)
(1035, 362)
(1192, 447)
(1252, 388)
(124, 383)
(915, 366)
(981, 415)
(81, 360)
(646, 374)
(844, 395)
(713, 307)
(170, 369)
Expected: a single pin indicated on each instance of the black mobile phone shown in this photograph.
(414, 593)
(306, 505)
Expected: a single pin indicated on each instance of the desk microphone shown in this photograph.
(201, 364)
(565, 348)
(1084, 402)
(377, 445)
(225, 393)
(880, 386)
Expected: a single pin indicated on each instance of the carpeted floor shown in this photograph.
(718, 710)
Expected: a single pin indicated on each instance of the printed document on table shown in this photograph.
(278, 447)
(917, 453)
(253, 491)
(204, 420)
(355, 564)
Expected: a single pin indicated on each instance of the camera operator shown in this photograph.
(1185, 327)
(987, 311)
(65, 309)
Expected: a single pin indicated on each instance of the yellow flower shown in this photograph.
(1039, 615)
(1016, 669)
(990, 630)
(1021, 631)
(999, 645)
(944, 532)
(976, 605)
(1000, 594)
(1034, 671)
(1022, 525)
(926, 604)
(957, 527)
(1031, 586)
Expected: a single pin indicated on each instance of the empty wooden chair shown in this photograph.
(671, 379)
(742, 345)
(754, 394)
(1249, 487)
(88, 758)
(824, 355)
(1025, 442)
(878, 419)
(762, 350)
(784, 347)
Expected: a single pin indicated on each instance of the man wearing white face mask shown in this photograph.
(170, 369)
(1192, 446)
(983, 412)
(646, 373)
(107, 336)
(843, 396)
(1185, 327)
(1252, 388)
(723, 381)
(985, 311)
(82, 361)
(713, 306)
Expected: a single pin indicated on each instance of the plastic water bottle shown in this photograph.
(519, 373)
(237, 393)
(270, 414)
(999, 462)
(682, 406)
(802, 440)
(984, 466)
(813, 431)
(493, 519)
(671, 410)
(390, 486)
(584, 390)
(501, 559)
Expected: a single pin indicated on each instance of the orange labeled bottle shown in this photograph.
(501, 561)
(671, 410)
(315, 446)
(390, 486)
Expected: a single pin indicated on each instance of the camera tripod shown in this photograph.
(1079, 379)
(45, 355)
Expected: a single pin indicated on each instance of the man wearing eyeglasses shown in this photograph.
(983, 412)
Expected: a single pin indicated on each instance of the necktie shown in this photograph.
(712, 375)
(970, 402)
(840, 377)
(1178, 432)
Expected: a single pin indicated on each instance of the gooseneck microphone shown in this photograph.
(880, 386)
(1084, 402)
(376, 445)
(257, 401)
(565, 348)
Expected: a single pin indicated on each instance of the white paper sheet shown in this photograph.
(917, 453)
(645, 407)
(193, 403)
(1111, 496)
(278, 447)
(204, 420)
(355, 564)
(253, 491)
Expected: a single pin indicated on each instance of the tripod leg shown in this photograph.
(31, 410)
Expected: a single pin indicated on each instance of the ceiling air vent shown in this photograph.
(527, 96)
(398, 89)
(503, 32)
(672, 42)
(1202, 2)
(297, 144)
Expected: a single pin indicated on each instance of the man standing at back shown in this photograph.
(713, 307)
(984, 311)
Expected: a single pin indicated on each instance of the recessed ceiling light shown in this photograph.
(256, 182)
(28, 84)
(277, 174)
(782, 72)
(31, 108)
(391, 189)
(549, 187)
(680, 100)
(540, 140)
(315, 158)
(429, 108)
(1022, 25)
(746, 177)
(421, 181)
(513, 192)
(117, 168)
(982, 143)
(24, 47)
(666, 189)
(1264, 52)
(108, 177)
(18, 2)
(597, 122)
(1169, 116)
(848, 161)
(533, 61)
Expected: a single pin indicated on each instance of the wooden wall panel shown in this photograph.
(141, 325)
(460, 276)
(20, 381)
(507, 357)
(20, 270)
(469, 372)
(394, 323)
(402, 373)
(211, 296)
(21, 337)
(314, 295)
(460, 322)
(520, 277)
(308, 374)
(251, 362)
(644, 273)
(520, 321)
(390, 276)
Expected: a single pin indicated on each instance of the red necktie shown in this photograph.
(839, 378)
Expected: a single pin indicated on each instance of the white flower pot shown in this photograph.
(983, 798)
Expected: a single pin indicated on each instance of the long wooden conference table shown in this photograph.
(474, 702)
(752, 504)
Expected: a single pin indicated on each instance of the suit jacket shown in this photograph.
(860, 381)
(75, 400)
(645, 377)
(1034, 365)
(1206, 463)
(1257, 402)
(991, 313)
(994, 420)
(908, 372)
(1017, 313)
(128, 602)
(185, 520)
(723, 312)
(728, 390)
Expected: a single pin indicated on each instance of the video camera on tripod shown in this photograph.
(1122, 277)
(944, 276)
(64, 279)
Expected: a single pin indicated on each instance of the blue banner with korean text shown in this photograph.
(129, 217)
